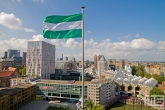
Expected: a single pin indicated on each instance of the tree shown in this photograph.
(140, 73)
(91, 106)
(139, 70)
(156, 91)
(93, 70)
(158, 78)
(23, 70)
(148, 76)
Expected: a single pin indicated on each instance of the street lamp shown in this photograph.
(141, 100)
(124, 104)
(133, 102)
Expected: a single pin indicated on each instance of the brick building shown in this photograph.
(96, 59)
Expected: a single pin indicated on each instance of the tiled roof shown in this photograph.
(5, 73)
(9, 72)
(163, 88)
(11, 69)
(163, 84)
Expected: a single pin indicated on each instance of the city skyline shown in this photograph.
(123, 30)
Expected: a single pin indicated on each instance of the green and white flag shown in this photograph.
(63, 27)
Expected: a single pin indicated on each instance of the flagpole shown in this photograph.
(82, 103)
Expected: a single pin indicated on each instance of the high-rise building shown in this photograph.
(96, 59)
(40, 59)
(12, 52)
(66, 58)
(123, 63)
(24, 58)
(102, 65)
(5, 54)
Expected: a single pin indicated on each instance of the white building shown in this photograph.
(102, 65)
(101, 91)
(128, 69)
(25, 80)
(40, 60)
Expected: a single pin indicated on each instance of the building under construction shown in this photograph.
(14, 98)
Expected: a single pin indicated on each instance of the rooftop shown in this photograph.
(11, 69)
(100, 81)
(11, 90)
(102, 58)
(9, 72)
(62, 82)
(5, 73)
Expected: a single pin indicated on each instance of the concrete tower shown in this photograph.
(102, 65)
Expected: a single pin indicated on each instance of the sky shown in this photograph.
(117, 29)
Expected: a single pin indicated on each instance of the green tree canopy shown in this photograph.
(140, 73)
(148, 76)
(24, 70)
(93, 70)
(158, 78)
(91, 106)
(156, 91)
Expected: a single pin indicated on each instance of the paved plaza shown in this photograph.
(36, 105)
(43, 105)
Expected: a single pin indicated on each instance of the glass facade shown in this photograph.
(33, 44)
(69, 77)
(18, 58)
(11, 53)
(69, 91)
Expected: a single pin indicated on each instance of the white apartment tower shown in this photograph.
(40, 60)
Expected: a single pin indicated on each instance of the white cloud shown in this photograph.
(29, 30)
(161, 45)
(127, 36)
(71, 43)
(12, 22)
(1, 34)
(42, 1)
(89, 32)
(137, 49)
(123, 37)
(16, 0)
(137, 35)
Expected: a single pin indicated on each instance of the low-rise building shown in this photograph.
(19, 81)
(16, 97)
(77, 76)
(163, 86)
(101, 91)
(6, 75)
(69, 91)
(9, 62)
